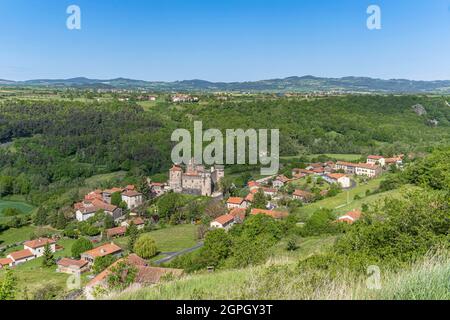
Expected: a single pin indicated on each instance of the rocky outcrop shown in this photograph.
(419, 109)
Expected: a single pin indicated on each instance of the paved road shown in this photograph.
(171, 255)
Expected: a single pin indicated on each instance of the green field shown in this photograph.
(343, 199)
(31, 275)
(170, 239)
(337, 156)
(22, 206)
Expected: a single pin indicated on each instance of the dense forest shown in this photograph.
(49, 146)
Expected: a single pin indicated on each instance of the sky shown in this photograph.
(224, 40)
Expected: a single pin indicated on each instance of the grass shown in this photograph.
(15, 235)
(306, 247)
(337, 156)
(344, 198)
(169, 239)
(277, 280)
(31, 275)
(22, 206)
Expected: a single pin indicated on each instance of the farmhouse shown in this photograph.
(225, 221)
(338, 178)
(37, 246)
(274, 214)
(101, 251)
(236, 202)
(71, 266)
(302, 195)
(138, 222)
(116, 232)
(350, 217)
(21, 256)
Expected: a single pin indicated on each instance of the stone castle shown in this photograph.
(196, 179)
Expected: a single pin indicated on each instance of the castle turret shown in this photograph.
(175, 177)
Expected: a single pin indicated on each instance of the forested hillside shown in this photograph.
(49, 147)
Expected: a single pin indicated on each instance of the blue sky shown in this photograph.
(224, 40)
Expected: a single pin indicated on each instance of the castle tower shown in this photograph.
(206, 184)
(175, 178)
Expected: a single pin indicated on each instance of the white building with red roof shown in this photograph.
(37, 246)
(236, 202)
(350, 217)
(225, 221)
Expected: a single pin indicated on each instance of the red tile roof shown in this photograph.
(37, 243)
(175, 168)
(272, 213)
(5, 261)
(131, 193)
(302, 193)
(351, 216)
(66, 262)
(235, 200)
(375, 157)
(104, 250)
(117, 231)
(336, 176)
(22, 254)
(224, 219)
(138, 221)
(250, 197)
(238, 213)
(252, 184)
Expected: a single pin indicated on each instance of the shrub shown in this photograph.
(145, 247)
(80, 246)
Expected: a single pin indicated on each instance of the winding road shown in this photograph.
(172, 255)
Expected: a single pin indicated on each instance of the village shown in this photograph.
(266, 196)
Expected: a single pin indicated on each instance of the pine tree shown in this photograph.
(61, 221)
(48, 256)
(40, 219)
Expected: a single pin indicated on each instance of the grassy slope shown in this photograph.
(281, 281)
(344, 198)
(170, 239)
(31, 275)
(22, 206)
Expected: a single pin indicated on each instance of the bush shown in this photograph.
(80, 246)
(145, 247)
(101, 263)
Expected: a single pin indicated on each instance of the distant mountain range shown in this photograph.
(290, 84)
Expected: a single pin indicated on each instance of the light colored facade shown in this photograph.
(132, 198)
(37, 247)
(236, 202)
(376, 160)
(338, 178)
(360, 169)
(196, 179)
(19, 257)
(223, 222)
